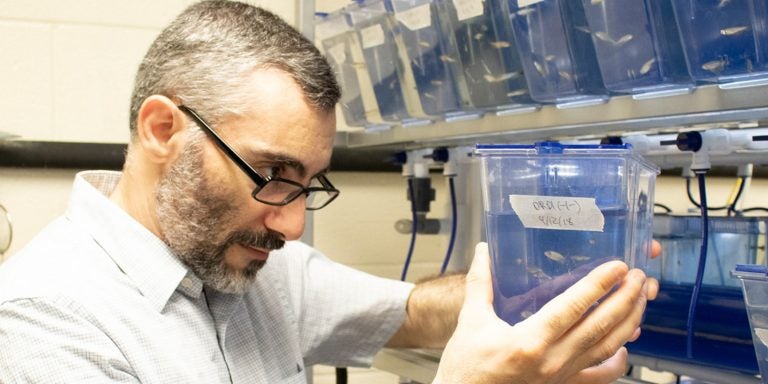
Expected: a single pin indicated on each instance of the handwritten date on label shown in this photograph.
(558, 212)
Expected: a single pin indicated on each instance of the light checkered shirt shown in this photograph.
(97, 298)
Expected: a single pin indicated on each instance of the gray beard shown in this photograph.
(192, 216)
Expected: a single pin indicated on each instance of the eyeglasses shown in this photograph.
(272, 190)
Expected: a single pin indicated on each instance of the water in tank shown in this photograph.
(638, 46)
(724, 40)
(489, 58)
(431, 54)
(557, 51)
(393, 84)
(341, 46)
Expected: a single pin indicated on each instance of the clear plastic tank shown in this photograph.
(638, 46)
(557, 51)
(754, 282)
(393, 84)
(721, 327)
(431, 55)
(554, 212)
(724, 40)
(488, 55)
(341, 46)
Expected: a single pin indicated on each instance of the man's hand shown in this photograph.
(558, 344)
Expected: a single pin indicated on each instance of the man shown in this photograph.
(185, 268)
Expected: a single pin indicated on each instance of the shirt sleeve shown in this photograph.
(50, 342)
(346, 316)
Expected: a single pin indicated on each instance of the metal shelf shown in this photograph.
(708, 106)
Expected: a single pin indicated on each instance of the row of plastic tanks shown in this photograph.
(724, 327)
(414, 61)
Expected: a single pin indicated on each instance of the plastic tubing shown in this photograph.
(413, 230)
(702, 264)
(454, 222)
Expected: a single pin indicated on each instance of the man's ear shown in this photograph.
(160, 128)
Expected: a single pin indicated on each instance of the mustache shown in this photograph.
(268, 240)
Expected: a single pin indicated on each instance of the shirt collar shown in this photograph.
(142, 256)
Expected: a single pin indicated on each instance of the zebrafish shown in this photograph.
(555, 256)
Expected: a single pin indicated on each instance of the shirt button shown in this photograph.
(186, 283)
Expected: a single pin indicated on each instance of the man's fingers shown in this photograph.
(479, 290)
(606, 372)
(565, 310)
(612, 323)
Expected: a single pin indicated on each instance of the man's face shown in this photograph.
(205, 209)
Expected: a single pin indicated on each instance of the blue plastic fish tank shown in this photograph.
(554, 212)
(486, 49)
(722, 336)
(724, 40)
(393, 86)
(638, 46)
(341, 46)
(430, 54)
(557, 51)
(754, 284)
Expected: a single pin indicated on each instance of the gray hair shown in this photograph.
(202, 57)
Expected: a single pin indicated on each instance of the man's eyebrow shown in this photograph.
(279, 158)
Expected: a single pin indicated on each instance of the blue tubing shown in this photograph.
(413, 230)
(702, 264)
(452, 239)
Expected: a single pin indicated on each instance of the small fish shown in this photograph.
(359, 65)
(593, 2)
(580, 259)
(526, 314)
(526, 11)
(749, 65)
(424, 44)
(540, 68)
(722, 3)
(565, 75)
(503, 77)
(538, 273)
(732, 31)
(715, 66)
(582, 28)
(554, 256)
(624, 39)
(436, 82)
(516, 93)
(550, 57)
(646, 67)
(429, 96)
(500, 44)
(479, 36)
(447, 59)
(602, 35)
(519, 261)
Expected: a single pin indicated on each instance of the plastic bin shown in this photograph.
(754, 283)
(393, 84)
(556, 48)
(638, 46)
(724, 40)
(341, 46)
(430, 53)
(554, 212)
(721, 328)
(488, 55)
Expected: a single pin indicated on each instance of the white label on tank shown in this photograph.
(525, 3)
(337, 53)
(416, 18)
(466, 9)
(372, 36)
(558, 212)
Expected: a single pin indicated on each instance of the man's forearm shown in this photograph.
(432, 312)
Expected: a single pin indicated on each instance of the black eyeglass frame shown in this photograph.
(261, 180)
